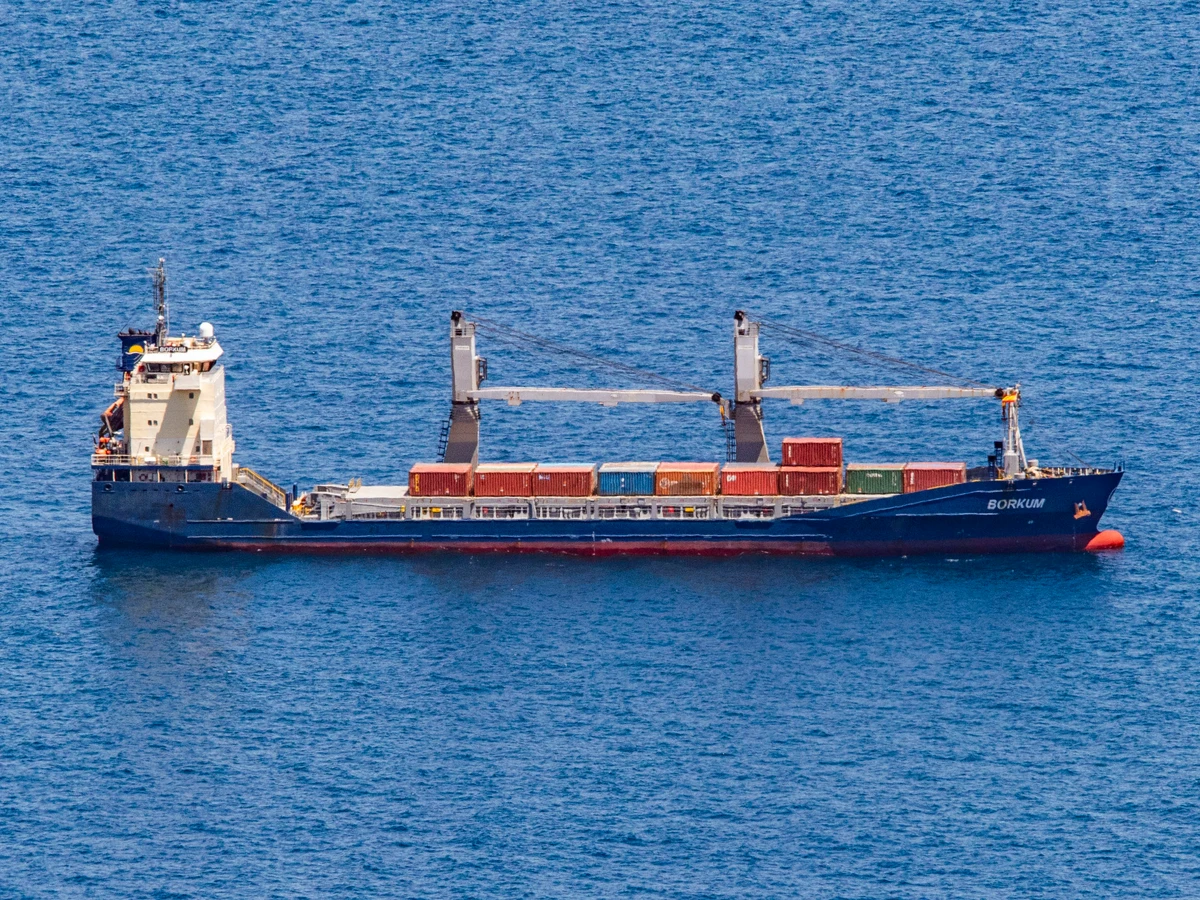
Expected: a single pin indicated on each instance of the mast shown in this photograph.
(750, 371)
(1014, 448)
(467, 370)
(162, 326)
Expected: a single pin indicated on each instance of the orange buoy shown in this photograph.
(1106, 540)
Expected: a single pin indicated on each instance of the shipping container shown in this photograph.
(926, 475)
(440, 480)
(626, 479)
(504, 479)
(812, 452)
(564, 481)
(749, 479)
(875, 478)
(794, 480)
(686, 479)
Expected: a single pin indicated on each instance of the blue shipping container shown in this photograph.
(626, 479)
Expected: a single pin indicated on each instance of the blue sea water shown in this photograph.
(1006, 191)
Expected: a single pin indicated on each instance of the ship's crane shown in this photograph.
(752, 370)
(469, 371)
(751, 373)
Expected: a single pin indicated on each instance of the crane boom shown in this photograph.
(518, 395)
(468, 371)
(800, 393)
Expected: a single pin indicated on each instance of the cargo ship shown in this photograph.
(164, 476)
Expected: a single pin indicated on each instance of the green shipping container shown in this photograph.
(879, 478)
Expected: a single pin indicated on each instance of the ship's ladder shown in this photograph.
(444, 437)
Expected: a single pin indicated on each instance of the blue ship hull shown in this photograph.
(1048, 514)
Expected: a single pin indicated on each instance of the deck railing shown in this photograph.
(116, 459)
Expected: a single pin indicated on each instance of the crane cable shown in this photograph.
(799, 335)
(518, 338)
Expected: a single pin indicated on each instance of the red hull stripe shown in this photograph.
(972, 546)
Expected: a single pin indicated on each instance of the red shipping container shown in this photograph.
(504, 479)
(440, 480)
(564, 481)
(794, 480)
(686, 479)
(749, 479)
(812, 452)
(923, 476)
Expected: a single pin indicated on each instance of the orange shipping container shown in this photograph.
(812, 452)
(440, 480)
(504, 479)
(923, 476)
(564, 481)
(686, 479)
(795, 480)
(749, 479)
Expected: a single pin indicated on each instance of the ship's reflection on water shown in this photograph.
(168, 608)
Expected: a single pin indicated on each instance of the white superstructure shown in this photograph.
(168, 420)
(175, 406)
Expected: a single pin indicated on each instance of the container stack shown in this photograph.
(626, 479)
(564, 481)
(440, 480)
(921, 476)
(797, 480)
(816, 453)
(749, 480)
(504, 479)
(811, 466)
(875, 478)
(686, 479)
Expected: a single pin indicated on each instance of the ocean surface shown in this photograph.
(1004, 191)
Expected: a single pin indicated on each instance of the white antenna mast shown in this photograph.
(162, 326)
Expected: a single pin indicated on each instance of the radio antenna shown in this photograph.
(162, 326)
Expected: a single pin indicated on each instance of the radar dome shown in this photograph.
(206, 330)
